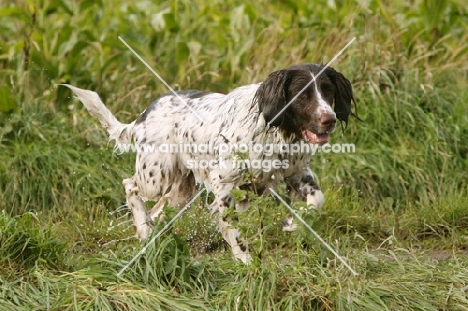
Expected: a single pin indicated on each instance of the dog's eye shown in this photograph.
(327, 91)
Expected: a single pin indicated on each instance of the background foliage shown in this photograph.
(396, 209)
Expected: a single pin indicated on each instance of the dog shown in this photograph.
(298, 105)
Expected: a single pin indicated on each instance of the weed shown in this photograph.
(396, 208)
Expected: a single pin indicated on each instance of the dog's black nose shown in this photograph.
(327, 119)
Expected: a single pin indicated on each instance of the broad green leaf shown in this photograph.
(89, 3)
(17, 13)
(7, 102)
(67, 46)
(182, 52)
(171, 22)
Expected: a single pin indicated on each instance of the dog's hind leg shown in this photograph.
(137, 206)
(178, 195)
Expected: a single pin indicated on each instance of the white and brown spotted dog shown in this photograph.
(251, 114)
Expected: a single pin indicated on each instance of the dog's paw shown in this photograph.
(142, 232)
(242, 254)
(315, 200)
(288, 225)
(244, 257)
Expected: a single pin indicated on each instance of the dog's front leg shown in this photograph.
(224, 203)
(304, 186)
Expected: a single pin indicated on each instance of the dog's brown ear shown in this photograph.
(343, 96)
(271, 96)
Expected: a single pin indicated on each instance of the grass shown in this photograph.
(396, 209)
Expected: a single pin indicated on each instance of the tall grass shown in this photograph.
(396, 209)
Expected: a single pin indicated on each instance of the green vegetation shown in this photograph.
(397, 209)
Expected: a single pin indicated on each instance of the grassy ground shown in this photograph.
(397, 209)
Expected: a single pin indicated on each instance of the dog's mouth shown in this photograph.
(313, 138)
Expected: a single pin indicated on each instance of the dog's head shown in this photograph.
(306, 100)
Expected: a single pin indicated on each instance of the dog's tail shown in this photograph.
(121, 133)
